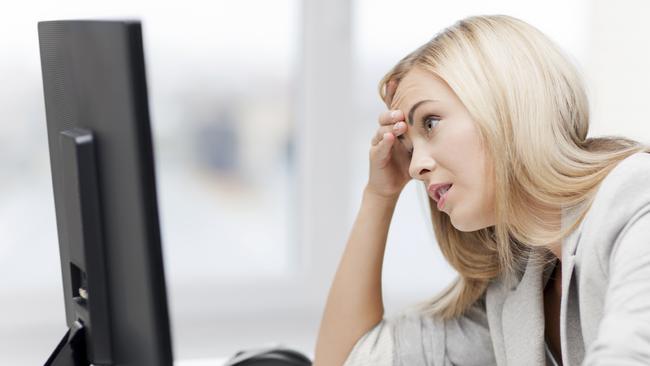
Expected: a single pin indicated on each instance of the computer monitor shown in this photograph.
(102, 164)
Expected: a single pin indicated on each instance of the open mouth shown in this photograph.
(442, 191)
(441, 195)
(436, 192)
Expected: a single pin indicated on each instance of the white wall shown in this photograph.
(618, 68)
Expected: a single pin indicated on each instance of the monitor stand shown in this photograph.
(71, 351)
(88, 340)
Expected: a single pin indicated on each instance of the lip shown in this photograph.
(434, 195)
(434, 187)
(443, 199)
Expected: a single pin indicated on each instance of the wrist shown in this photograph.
(388, 199)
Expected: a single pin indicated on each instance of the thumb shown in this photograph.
(386, 144)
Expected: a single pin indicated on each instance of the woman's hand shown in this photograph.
(389, 160)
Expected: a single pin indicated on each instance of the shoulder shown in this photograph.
(625, 182)
(622, 196)
(614, 256)
(625, 189)
(414, 337)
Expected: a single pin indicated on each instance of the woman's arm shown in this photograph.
(354, 304)
(624, 332)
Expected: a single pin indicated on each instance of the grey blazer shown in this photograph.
(605, 304)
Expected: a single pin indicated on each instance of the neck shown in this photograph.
(556, 249)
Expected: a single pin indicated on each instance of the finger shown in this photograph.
(396, 130)
(376, 139)
(386, 143)
(399, 128)
(390, 117)
(379, 135)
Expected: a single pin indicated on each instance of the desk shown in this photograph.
(202, 362)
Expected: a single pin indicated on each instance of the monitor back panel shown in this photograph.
(94, 78)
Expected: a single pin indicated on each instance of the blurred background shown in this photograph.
(262, 112)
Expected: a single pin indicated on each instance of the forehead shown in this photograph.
(418, 84)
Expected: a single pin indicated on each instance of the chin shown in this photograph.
(467, 225)
(462, 228)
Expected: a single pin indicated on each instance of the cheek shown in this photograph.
(471, 192)
(483, 197)
(482, 184)
(475, 185)
(472, 209)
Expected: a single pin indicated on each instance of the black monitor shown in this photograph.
(101, 156)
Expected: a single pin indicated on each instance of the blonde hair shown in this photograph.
(532, 114)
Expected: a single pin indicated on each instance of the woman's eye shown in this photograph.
(430, 122)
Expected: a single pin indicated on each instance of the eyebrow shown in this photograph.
(415, 106)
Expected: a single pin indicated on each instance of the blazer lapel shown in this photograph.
(570, 327)
(522, 312)
(523, 320)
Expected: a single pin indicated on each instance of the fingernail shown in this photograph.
(394, 114)
(397, 126)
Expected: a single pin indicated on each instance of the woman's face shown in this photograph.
(446, 148)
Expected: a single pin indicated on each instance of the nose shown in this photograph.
(421, 165)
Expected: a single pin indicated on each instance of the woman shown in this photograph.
(549, 230)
